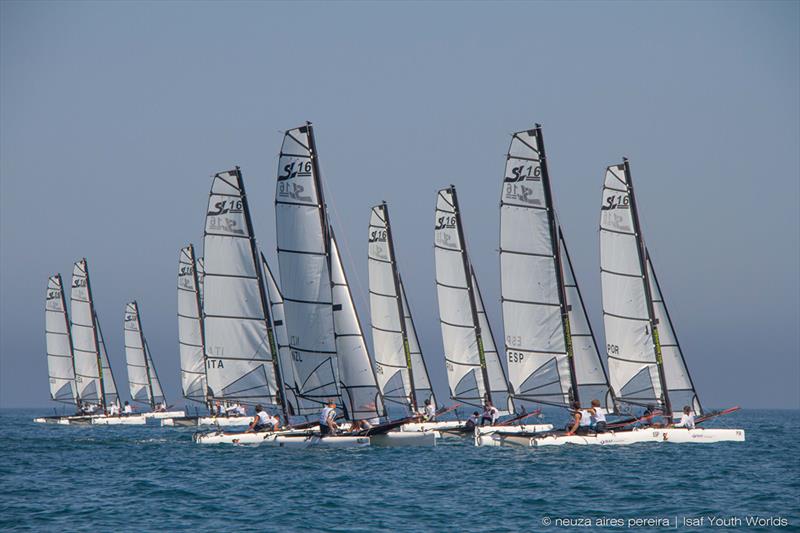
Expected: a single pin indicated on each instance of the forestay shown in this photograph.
(281, 338)
(468, 349)
(93, 376)
(360, 393)
(142, 377)
(680, 388)
(238, 355)
(59, 343)
(632, 363)
(190, 327)
(304, 265)
(400, 369)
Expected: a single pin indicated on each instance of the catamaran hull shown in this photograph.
(699, 435)
(404, 438)
(601, 439)
(318, 442)
(164, 414)
(194, 421)
(135, 420)
(63, 420)
(220, 437)
(98, 420)
(432, 426)
(523, 428)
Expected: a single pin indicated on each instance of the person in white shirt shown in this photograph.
(687, 419)
(473, 421)
(327, 420)
(581, 420)
(232, 410)
(89, 408)
(113, 409)
(597, 417)
(263, 421)
(161, 407)
(127, 410)
(490, 413)
(430, 411)
(241, 410)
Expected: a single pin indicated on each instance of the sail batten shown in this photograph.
(60, 364)
(474, 370)
(304, 264)
(238, 356)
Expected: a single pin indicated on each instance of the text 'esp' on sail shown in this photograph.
(239, 360)
(142, 377)
(190, 327)
(93, 375)
(304, 265)
(60, 364)
(399, 365)
(474, 371)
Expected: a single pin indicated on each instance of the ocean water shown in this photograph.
(66, 478)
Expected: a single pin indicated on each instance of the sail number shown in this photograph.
(617, 201)
(612, 348)
(515, 357)
(449, 365)
(378, 369)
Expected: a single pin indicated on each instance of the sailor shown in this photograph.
(360, 425)
(127, 410)
(430, 411)
(262, 421)
(490, 413)
(598, 417)
(473, 421)
(219, 410)
(241, 410)
(113, 409)
(580, 420)
(233, 409)
(687, 419)
(161, 407)
(89, 408)
(327, 419)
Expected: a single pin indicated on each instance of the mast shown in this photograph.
(642, 253)
(400, 307)
(102, 340)
(146, 358)
(200, 314)
(555, 231)
(273, 346)
(416, 340)
(96, 326)
(323, 209)
(471, 293)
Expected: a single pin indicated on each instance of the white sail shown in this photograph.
(304, 266)
(632, 361)
(538, 363)
(142, 378)
(360, 393)
(422, 380)
(281, 339)
(88, 348)
(201, 272)
(190, 327)
(59, 343)
(109, 383)
(459, 320)
(589, 371)
(239, 361)
(679, 382)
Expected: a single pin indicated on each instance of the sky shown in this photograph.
(115, 115)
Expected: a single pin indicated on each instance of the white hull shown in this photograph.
(164, 414)
(133, 420)
(404, 438)
(432, 426)
(194, 421)
(220, 437)
(699, 435)
(316, 441)
(523, 428)
(602, 439)
(62, 420)
(304, 439)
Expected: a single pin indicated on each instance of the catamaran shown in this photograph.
(645, 360)
(143, 381)
(474, 371)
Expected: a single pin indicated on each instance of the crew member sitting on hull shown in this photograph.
(161, 407)
(580, 421)
(219, 410)
(88, 408)
(473, 421)
(241, 410)
(360, 425)
(490, 413)
(598, 417)
(113, 409)
(687, 419)
(262, 421)
(327, 420)
(127, 410)
(233, 409)
(429, 414)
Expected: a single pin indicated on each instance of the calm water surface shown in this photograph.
(65, 478)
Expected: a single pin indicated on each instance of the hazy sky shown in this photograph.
(114, 116)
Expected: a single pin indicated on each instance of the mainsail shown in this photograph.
(60, 364)
(239, 359)
(201, 272)
(632, 343)
(305, 270)
(360, 393)
(400, 369)
(190, 327)
(281, 338)
(474, 371)
(93, 375)
(552, 355)
(142, 378)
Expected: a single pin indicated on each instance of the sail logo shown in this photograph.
(186, 270)
(617, 201)
(227, 206)
(293, 191)
(446, 222)
(295, 169)
(521, 173)
(53, 295)
(78, 282)
(377, 236)
(226, 225)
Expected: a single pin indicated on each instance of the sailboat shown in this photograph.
(143, 381)
(474, 371)
(60, 361)
(645, 360)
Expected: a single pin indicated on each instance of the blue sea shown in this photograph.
(67, 478)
